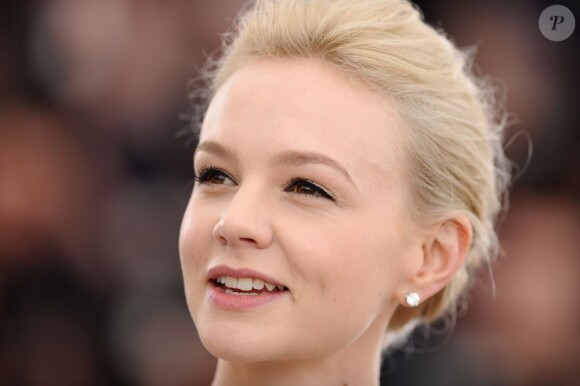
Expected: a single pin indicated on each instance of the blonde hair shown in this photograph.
(455, 150)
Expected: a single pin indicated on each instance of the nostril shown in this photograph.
(232, 232)
(222, 240)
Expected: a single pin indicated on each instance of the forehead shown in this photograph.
(273, 105)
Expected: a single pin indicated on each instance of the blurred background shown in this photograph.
(94, 180)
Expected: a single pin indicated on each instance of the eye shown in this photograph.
(213, 176)
(307, 187)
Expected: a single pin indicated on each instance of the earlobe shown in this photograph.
(444, 253)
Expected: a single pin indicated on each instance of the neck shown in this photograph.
(355, 364)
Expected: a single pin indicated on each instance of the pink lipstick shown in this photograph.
(242, 289)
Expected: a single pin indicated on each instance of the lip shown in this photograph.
(223, 270)
(231, 302)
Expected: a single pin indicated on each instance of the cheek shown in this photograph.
(366, 269)
(349, 267)
(186, 238)
(365, 254)
(194, 247)
(196, 229)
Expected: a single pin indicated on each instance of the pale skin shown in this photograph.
(343, 243)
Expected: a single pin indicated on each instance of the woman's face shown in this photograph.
(300, 184)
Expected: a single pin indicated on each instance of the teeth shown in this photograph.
(246, 284)
(269, 286)
(231, 282)
(229, 291)
(258, 284)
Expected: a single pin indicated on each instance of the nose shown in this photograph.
(244, 222)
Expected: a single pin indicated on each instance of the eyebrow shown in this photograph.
(290, 157)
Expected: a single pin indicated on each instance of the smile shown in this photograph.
(246, 286)
(241, 289)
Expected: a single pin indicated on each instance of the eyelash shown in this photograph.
(206, 173)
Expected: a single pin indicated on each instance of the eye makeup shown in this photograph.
(210, 175)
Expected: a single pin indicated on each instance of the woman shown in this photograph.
(348, 173)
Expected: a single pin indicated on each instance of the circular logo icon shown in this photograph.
(557, 23)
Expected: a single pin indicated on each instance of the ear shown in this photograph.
(444, 250)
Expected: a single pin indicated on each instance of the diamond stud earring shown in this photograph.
(412, 299)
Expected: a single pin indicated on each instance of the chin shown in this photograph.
(239, 350)
(236, 342)
(240, 344)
